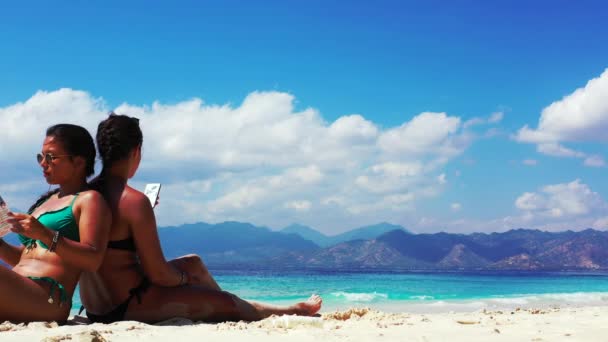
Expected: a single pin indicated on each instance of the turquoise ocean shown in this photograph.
(417, 292)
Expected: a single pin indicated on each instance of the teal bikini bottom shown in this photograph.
(63, 298)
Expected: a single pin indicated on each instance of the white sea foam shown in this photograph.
(359, 297)
(342, 300)
(423, 297)
(576, 299)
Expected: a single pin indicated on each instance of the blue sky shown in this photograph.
(386, 62)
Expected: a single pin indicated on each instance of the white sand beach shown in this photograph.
(358, 324)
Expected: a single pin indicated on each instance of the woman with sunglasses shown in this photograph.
(64, 233)
(135, 282)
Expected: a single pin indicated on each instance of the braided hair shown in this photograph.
(116, 137)
(77, 142)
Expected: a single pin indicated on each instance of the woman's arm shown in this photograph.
(94, 223)
(143, 226)
(10, 254)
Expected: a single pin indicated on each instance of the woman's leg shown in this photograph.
(25, 300)
(198, 272)
(200, 304)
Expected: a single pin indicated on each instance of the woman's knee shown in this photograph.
(192, 264)
(192, 258)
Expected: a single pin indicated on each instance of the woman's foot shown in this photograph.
(310, 307)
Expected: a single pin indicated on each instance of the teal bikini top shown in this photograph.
(58, 220)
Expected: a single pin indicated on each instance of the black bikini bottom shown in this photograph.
(118, 314)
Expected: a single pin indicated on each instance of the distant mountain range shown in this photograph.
(231, 243)
(383, 247)
(363, 233)
(386, 247)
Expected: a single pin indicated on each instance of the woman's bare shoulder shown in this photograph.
(91, 200)
(134, 203)
(134, 196)
(90, 195)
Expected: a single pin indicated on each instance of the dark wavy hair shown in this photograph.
(77, 142)
(116, 137)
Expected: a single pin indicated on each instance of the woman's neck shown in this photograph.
(119, 171)
(72, 187)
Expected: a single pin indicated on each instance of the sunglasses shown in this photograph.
(48, 157)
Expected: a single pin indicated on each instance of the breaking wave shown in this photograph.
(359, 297)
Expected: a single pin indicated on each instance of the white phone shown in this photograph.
(152, 190)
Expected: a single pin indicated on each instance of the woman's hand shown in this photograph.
(27, 225)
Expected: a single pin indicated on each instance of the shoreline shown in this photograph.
(508, 302)
(586, 323)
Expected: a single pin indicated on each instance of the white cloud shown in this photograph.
(530, 201)
(261, 161)
(455, 206)
(264, 189)
(561, 201)
(264, 130)
(353, 129)
(427, 133)
(579, 117)
(241, 198)
(295, 176)
(601, 223)
(189, 189)
(595, 161)
(390, 177)
(556, 207)
(530, 162)
(473, 122)
(396, 203)
(494, 118)
(392, 169)
(558, 150)
(334, 200)
(299, 205)
(24, 124)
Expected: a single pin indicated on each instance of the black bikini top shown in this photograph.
(126, 245)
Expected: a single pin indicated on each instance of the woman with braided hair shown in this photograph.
(64, 233)
(135, 281)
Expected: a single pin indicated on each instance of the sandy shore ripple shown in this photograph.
(357, 324)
